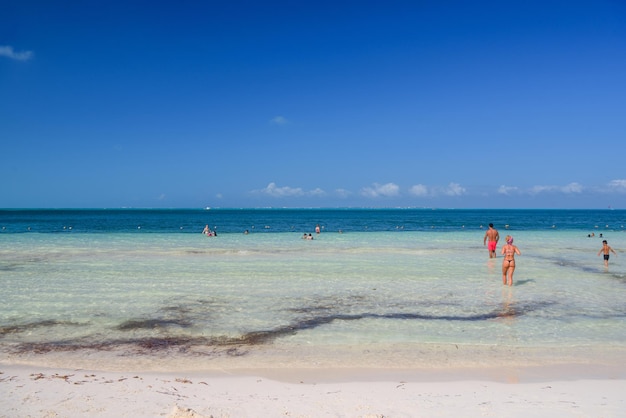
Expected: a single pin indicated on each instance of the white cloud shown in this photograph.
(507, 190)
(381, 190)
(276, 191)
(390, 190)
(343, 193)
(8, 51)
(454, 189)
(419, 190)
(273, 190)
(317, 192)
(541, 189)
(617, 185)
(279, 120)
(569, 188)
(572, 188)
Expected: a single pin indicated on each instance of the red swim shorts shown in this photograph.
(492, 245)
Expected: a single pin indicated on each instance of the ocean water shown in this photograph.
(396, 286)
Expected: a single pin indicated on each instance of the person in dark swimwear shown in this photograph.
(606, 249)
(508, 264)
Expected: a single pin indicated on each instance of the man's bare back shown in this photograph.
(492, 236)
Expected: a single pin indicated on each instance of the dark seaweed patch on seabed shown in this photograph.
(235, 346)
(148, 345)
(174, 315)
(152, 324)
(512, 310)
(9, 267)
(571, 264)
(19, 328)
(621, 277)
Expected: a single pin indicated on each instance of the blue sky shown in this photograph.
(503, 104)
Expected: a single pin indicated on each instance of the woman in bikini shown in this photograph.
(508, 264)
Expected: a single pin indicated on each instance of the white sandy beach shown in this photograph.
(31, 391)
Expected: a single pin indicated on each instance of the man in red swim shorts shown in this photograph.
(492, 236)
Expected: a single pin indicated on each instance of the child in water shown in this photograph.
(606, 249)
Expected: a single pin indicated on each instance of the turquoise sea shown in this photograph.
(376, 286)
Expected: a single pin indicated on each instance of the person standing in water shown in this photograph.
(508, 264)
(606, 249)
(493, 237)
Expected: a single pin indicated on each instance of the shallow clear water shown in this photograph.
(121, 290)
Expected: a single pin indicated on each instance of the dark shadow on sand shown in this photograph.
(523, 282)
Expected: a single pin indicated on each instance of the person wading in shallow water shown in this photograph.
(493, 237)
(606, 249)
(508, 264)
